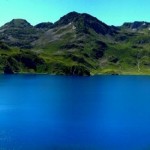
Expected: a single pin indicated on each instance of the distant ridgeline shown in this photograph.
(77, 44)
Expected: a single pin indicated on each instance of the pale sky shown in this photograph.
(112, 12)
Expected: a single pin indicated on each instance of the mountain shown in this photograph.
(84, 22)
(44, 25)
(137, 25)
(76, 44)
(18, 32)
(77, 25)
(17, 23)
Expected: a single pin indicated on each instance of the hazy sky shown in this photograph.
(112, 12)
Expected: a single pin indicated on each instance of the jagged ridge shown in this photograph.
(77, 44)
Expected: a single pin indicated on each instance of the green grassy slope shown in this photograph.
(77, 44)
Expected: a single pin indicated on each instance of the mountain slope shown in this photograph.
(18, 32)
(44, 26)
(83, 22)
(79, 38)
(77, 44)
(137, 25)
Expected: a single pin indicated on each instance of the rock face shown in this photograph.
(77, 44)
(44, 26)
(83, 22)
(137, 25)
(18, 32)
(17, 23)
(8, 70)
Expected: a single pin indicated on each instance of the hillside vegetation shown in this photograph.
(77, 44)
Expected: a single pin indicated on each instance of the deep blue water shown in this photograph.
(42, 112)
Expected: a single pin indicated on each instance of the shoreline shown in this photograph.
(100, 74)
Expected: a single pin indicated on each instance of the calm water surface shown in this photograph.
(41, 112)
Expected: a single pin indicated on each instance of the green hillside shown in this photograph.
(77, 44)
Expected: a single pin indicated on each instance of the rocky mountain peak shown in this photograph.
(44, 25)
(137, 25)
(17, 23)
(84, 22)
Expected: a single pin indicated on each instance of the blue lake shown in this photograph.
(42, 112)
